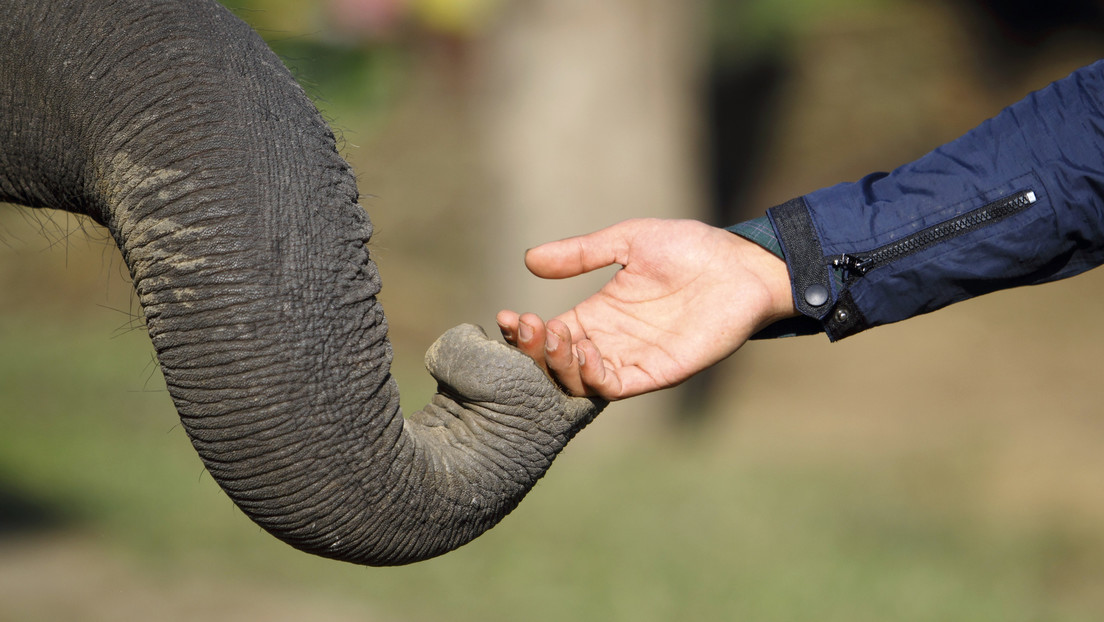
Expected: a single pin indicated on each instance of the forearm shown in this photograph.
(1016, 201)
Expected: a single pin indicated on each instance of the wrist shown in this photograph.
(775, 276)
(764, 291)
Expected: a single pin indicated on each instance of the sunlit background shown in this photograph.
(948, 468)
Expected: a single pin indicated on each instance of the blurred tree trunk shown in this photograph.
(588, 113)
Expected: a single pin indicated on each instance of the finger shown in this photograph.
(577, 255)
(599, 379)
(560, 357)
(507, 325)
(531, 337)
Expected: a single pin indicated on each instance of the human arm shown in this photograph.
(1016, 201)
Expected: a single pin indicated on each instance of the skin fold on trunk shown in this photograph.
(173, 125)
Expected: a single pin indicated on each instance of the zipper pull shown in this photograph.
(852, 264)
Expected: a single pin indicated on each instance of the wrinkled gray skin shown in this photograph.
(172, 124)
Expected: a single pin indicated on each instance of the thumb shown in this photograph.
(577, 255)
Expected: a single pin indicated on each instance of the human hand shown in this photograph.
(688, 295)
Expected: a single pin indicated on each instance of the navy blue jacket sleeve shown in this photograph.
(1018, 200)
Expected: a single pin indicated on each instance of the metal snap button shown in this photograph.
(816, 295)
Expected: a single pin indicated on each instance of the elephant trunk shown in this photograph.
(172, 124)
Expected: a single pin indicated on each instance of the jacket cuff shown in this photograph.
(815, 287)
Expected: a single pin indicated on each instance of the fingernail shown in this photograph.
(552, 341)
(525, 331)
(582, 356)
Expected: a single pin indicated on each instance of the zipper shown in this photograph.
(858, 264)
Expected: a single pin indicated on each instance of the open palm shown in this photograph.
(687, 296)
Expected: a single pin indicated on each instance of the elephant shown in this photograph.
(173, 125)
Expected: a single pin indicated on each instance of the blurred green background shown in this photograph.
(948, 468)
